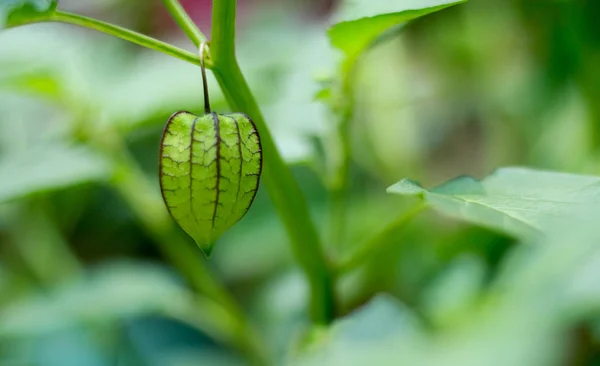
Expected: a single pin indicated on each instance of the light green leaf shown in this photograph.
(48, 168)
(359, 23)
(17, 12)
(209, 172)
(381, 325)
(517, 201)
(294, 115)
(383, 317)
(70, 68)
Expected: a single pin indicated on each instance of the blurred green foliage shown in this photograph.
(93, 271)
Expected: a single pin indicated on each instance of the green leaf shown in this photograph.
(106, 293)
(295, 118)
(359, 23)
(383, 317)
(361, 337)
(453, 293)
(209, 172)
(518, 201)
(18, 12)
(48, 168)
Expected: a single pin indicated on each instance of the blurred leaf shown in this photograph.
(252, 249)
(153, 85)
(522, 320)
(35, 82)
(281, 309)
(36, 237)
(517, 201)
(454, 291)
(17, 12)
(135, 90)
(69, 69)
(371, 327)
(72, 347)
(359, 22)
(192, 357)
(47, 168)
(376, 321)
(158, 341)
(391, 131)
(109, 294)
(104, 294)
(121, 84)
(26, 122)
(285, 77)
(295, 117)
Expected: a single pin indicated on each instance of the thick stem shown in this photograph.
(284, 191)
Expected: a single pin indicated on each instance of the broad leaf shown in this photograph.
(517, 201)
(358, 23)
(48, 168)
(17, 12)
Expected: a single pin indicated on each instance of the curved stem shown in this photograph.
(184, 21)
(204, 81)
(123, 33)
(370, 247)
(283, 189)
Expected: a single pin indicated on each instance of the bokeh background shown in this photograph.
(90, 264)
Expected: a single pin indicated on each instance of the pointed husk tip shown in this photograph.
(206, 249)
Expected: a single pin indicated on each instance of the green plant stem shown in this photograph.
(337, 217)
(339, 182)
(123, 33)
(283, 189)
(373, 245)
(184, 21)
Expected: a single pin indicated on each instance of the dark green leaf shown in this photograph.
(360, 22)
(518, 201)
(17, 12)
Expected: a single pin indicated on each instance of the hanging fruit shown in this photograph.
(209, 169)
